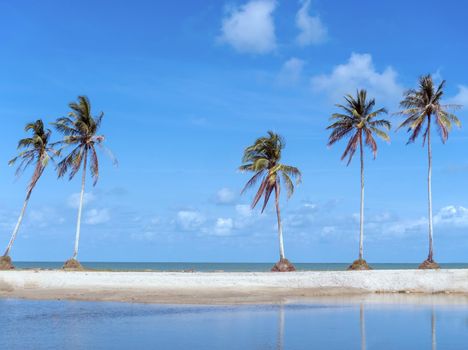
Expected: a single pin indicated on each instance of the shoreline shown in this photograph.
(235, 288)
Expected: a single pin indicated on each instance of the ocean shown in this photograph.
(227, 267)
(26, 324)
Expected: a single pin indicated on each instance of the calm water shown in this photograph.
(93, 325)
(228, 267)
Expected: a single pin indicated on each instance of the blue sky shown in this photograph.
(186, 85)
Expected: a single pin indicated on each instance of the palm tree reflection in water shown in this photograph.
(280, 340)
(362, 326)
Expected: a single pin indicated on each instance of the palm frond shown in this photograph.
(263, 158)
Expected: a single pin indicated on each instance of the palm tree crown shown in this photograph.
(263, 158)
(358, 121)
(34, 149)
(423, 104)
(80, 131)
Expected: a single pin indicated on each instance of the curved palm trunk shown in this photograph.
(429, 190)
(280, 226)
(18, 224)
(361, 232)
(80, 208)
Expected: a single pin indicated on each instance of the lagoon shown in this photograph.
(27, 324)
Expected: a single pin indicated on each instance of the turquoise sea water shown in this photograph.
(228, 267)
(98, 325)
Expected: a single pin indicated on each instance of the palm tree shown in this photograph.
(33, 150)
(358, 122)
(263, 159)
(80, 130)
(422, 107)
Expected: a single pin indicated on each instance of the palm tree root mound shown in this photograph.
(5, 263)
(284, 265)
(73, 265)
(429, 265)
(359, 264)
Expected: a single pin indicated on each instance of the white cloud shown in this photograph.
(291, 71)
(97, 216)
(74, 199)
(461, 98)
(243, 210)
(225, 196)
(44, 217)
(143, 236)
(224, 226)
(399, 228)
(190, 220)
(359, 73)
(449, 217)
(312, 29)
(452, 215)
(250, 28)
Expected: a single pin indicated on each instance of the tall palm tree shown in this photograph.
(80, 129)
(33, 150)
(422, 108)
(358, 122)
(263, 159)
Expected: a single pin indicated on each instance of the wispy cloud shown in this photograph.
(190, 220)
(44, 217)
(291, 71)
(225, 196)
(250, 28)
(74, 199)
(461, 98)
(97, 216)
(312, 30)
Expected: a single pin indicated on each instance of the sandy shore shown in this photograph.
(231, 287)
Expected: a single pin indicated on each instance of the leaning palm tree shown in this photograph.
(422, 107)
(80, 130)
(358, 122)
(263, 159)
(33, 150)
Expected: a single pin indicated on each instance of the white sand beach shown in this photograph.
(228, 287)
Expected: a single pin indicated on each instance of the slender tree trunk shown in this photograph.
(80, 208)
(18, 224)
(361, 233)
(280, 226)
(429, 190)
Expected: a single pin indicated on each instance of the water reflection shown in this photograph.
(433, 329)
(282, 309)
(331, 326)
(362, 326)
(280, 339)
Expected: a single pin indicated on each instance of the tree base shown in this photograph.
(359, 265)
(429, 265)
(73, 265)
(284, 265)
(5, 263)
